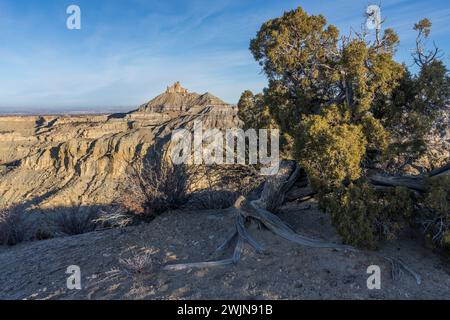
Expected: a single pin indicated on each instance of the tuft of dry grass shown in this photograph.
(73, 221)
(116, 218)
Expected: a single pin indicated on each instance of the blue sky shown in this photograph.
(128, 51)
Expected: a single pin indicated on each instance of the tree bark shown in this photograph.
(416, 183)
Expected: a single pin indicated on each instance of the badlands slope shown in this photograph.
(62, 161)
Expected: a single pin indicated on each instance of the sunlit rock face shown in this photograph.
(51, 161)
(177, 98)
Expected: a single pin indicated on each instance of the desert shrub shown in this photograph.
(12, 227)
(364, 216)
(436, 216)
(212, 199)
(117, 217)
(154, 189)
(41, 234)
(73, 221)
(218, 186)
(138, 263)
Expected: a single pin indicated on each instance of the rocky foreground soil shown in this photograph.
(37, 270)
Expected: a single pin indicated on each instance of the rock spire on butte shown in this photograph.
(176, 88)
(176, 98)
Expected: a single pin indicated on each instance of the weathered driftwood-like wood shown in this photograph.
(276, 186)
(445, 170)
(277, 226)
(300, 194)
(416, 183)
(245, 210)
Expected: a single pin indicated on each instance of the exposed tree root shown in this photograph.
(415, 183)
(398, 267)
(277, 226)
(275, 192)
(247, 210)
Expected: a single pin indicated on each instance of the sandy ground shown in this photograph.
(37, 270)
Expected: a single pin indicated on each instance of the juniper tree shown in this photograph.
(342, 101)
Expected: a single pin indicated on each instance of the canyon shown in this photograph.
(65, 161)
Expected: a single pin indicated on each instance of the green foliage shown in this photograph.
(310, 67)
(438, 196)
(310, 71)
(344, 106)
(284, 47)
(413, 109)
(437, 219)
(364, 217)
(376, 135)
(296, 52)
(253, 112)
(330, 148)
(423, 27)
(368, 71)
(415, 105)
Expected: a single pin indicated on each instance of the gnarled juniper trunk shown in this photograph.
(415, 183)
(246, 210)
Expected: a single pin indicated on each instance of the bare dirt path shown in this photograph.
(36, 270)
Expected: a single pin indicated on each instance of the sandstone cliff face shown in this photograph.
(16, 137)
(58, 161)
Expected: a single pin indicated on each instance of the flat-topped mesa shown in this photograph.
(176, 88)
